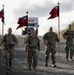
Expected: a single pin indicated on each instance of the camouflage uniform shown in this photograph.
(51, 38)
(33, 44)
(9, 49)
(69, 35)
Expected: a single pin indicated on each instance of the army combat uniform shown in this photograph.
(9, 49)
(69, 35)
(51, 38)
(33, 44)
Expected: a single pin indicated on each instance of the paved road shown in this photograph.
(20, 67)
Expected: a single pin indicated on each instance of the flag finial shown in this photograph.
(58, 3)
(27, 12)
(3, 5)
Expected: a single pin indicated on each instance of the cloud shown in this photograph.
(43, 9)
(67, 6)
(34, 10)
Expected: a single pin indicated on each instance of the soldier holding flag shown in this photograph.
(33, 43)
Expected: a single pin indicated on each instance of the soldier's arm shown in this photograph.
(4, 40)
(65, 35)
(15, 41)
(45, 39)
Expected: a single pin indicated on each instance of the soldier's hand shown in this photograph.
(12, 43)
(65, 37)
(46, 42)
(26, 44)
(37, 51)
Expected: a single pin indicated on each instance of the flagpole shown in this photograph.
(2, 25)
(27, 22)
(59, 27)
(2, 36)
(21, 30)
(26, 46)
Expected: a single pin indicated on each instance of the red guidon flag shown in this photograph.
(54, 12)
(22, 21)
(2, 11)
(0, 14)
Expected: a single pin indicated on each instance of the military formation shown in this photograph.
(32, 47)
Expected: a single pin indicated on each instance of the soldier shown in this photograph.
(10, 41)
(69, 35)
(50, 39)
(33, 44)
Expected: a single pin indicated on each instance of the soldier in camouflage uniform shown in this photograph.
(10, 41)
(33, 44)
(69, 35)
(50, 39)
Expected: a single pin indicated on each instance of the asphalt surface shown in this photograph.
(20, 67)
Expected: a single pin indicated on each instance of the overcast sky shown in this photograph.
(37, 8)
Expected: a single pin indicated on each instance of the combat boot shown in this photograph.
(7, 71)
(53, 65)
(46, 63)
(34, 69)
(30, 68)
(71, 59)
(66, 59)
